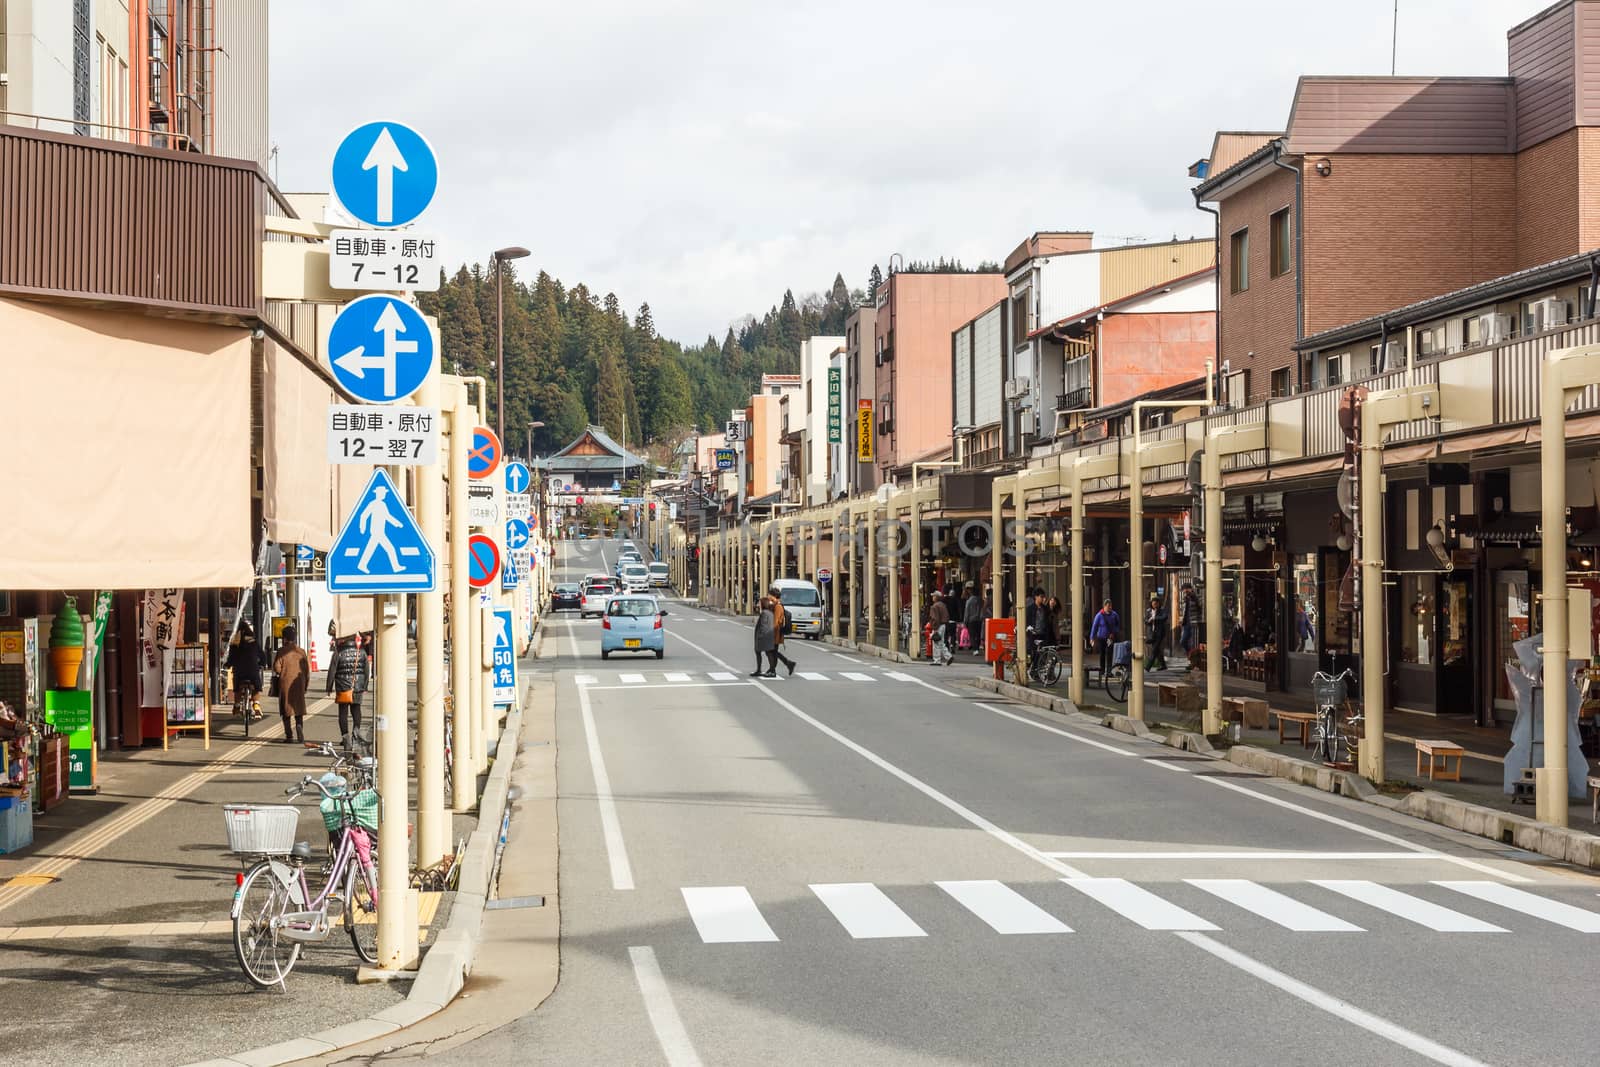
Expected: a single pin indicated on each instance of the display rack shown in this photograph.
(186, 706)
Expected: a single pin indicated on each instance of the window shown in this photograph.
(1282, 243)
(1239, 261)
(1430, 342)
(1303, 633)
(1416, 619)
(1528, 318)
(1471, 331)
(1337, 366)
(1280, 382)
(808, 398)
(1235, 393)
(1021, 317)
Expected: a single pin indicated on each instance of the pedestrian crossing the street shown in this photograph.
(864, 911)
(705, 677)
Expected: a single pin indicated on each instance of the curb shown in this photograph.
(868, 649)
(446, 965)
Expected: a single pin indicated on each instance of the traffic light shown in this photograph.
(580, 501)
(652, 509)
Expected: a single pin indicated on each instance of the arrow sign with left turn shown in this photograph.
(382, 349)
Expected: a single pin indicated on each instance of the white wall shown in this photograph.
(815, 358)
(962, 350)
(1196, 294)
(1067, 285)
(39, 60)
(988, 364)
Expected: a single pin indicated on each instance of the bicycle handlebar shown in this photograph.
(312, 783)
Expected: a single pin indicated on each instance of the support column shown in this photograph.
(1019, 576)
(1551, 785)
(1211, 480)
(390, 729)
(871, 571)
(891, 526)
(855, 593)
(1373, 698)
(433, 829)
(487, 721)
(464, 773)
(1080, 629)
(916, 576)
(1136, 579)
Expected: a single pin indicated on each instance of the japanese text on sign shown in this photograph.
(835, 402)
(359, 433)
(864, 431)
(362, 259)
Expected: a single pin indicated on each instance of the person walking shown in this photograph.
(1189, 634)
(333, 650)
(939, 622)
(972, 619)
(350, 683)
(780, 623)
(1105, 631)
(1158, 621)
(293, 671)
(765, 636)
(245, 660)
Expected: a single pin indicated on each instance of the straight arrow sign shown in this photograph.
(385, 158)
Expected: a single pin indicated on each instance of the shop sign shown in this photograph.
(71, 712)
(364, 433)
(30, 667)
(835, 405)
(160, 629)
(727, 459)
(864, 431)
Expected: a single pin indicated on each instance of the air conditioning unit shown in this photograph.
(1494, 329)
(1548, 314)
(1017, 388)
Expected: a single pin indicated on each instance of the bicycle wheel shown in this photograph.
(266, 957)
(1117, 684)
(1050, 668)
(361, 913)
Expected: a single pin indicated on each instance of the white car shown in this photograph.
(635, 578)
(660, 575)
(802, 602)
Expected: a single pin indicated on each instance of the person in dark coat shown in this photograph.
(972, 619)
(293, 669)
(350, 674)
(245, 660)
(780, 623)
(766, 638)
(1158, 623)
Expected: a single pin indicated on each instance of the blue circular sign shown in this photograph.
(385, 174)
(381, 349)
(516, 534)
(517, 477)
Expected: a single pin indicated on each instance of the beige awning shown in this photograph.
(295, 498)
(128, 451)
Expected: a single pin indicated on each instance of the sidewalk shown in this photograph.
(117, 916)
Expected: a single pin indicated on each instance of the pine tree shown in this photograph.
(610, 392)
(874, 280)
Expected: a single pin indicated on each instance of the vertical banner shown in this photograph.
(864, 431)
(835, 405)
(161, 626)
(32, 675)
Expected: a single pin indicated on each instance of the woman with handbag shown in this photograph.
(350, 679)
(291, 670)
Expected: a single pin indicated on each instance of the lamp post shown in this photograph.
(500, 257)
(532, 426)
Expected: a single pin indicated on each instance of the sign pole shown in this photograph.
(463, 752)
(389, 720)
(432, 833)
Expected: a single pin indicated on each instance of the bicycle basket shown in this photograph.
(1122, 654)
(364, 804)
(261, 829)
(1326, 691)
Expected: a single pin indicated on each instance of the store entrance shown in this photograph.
(1457, 683)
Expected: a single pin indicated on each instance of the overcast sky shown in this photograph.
(705, 156)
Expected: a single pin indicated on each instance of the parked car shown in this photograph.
(566, 596)
(802, 602)
(633, 624)
(660, 575)
(594, 600)
(635, 577)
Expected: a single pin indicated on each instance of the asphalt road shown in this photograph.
(873, 864)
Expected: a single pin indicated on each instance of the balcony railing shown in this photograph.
(1073, 399)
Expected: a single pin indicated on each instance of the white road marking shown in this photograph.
(856, 676)
(1422, 912)
(1003, 908)
(666, 685)
(1358, 828)
(664, 1018)
(812, 676)
(585, 679)
(1374, 1024)
(630, 679)
(865, 911)
(1286, 855)
(1139, 904)
(677, 677)
(899, 676)
(1273, 906)
(913, 781)
(1573, 918)
(913, 679)
(611, 827)
(725, 914)
(723, 676)
(1053, 729)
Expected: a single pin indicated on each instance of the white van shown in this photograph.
(802, 602)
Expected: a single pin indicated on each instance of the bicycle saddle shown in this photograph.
(301, 850)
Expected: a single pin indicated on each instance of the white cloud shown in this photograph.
(706, 156)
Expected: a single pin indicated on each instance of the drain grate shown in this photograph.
(513, 902)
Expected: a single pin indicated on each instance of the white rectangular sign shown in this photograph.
(481, 507)
(373, 434)
(381, 261)
(519, 506)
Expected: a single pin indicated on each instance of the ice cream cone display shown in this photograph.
(66, 645)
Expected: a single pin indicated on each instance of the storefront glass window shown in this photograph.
(1336, 625)
(1304, 636)
(1416, 619)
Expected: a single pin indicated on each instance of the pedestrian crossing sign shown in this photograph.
(380, 548)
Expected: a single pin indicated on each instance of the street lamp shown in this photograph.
(500, 257)
(532, 426)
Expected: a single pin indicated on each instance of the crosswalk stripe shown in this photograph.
(856, 676)
(585, 679)
(723, 676)
(1140, 905)
(1273, 905)
(1573, 918)
(812, 676)
(899, 676)
(725, 914)
(865, 912)
(630, 679)
(1003, 908)
(677, 677)
(1417, 910)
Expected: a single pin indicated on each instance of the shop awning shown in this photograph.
(129, 460)
(295, 498)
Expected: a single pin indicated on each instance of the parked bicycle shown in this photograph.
(1120, 676)
(1044, 663)
(359, 770)
(1334, 742)
(274, 913)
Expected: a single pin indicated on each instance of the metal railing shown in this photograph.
(139, 135)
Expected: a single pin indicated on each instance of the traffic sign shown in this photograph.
(516, 534)
(510, 572)
(520, 506)
(304, 553)
(483, 459)
(383, 262)
(362, 433)
(517, 477)
(483, 560)
(385, 335)
(380, 549)
(824, 575)
(385, 173)
(482, 510)
(505, 659)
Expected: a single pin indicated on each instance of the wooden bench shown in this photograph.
(1180, 695)
(1594, 799)
(1249, 711)
(1303, 718)
(1439, 754)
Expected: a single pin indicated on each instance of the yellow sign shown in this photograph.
(864, 431)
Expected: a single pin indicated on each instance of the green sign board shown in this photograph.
(71, 712)
(835, 405)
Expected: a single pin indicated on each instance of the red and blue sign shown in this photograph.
(483, 560)
(483, 458)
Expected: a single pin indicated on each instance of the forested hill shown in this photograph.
(574, 357)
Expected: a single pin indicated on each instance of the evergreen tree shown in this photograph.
(874, 280)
